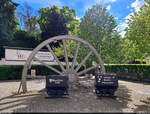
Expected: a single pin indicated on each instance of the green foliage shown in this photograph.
(55, 21)
(138, 33)
(7, 16)
(4, 38)
(42, 70)
(141, 60)
(30, 22)
(70, 46)
(51, 22)
(97, 27)
(14, 72)
(112, 49)
(71, 21)
(128, 50)
(97, 23)
(25, 39)
(10, 72)
(140, 69)
(8, 23)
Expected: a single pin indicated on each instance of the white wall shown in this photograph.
(18, 54)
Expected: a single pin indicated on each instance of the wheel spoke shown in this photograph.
(65, 54)
(36, 59)
(61, 66)
(76, 54)
(83, 61)
(86, 70)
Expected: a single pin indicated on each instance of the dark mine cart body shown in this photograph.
(105, 84)
(57, 85)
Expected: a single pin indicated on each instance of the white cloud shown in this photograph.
(78, 18)
(108, 7)
(113, 0)
(128, 17)
(107, 1)
(116, 18)
(122, 33)
(137, 4)
(121, 27)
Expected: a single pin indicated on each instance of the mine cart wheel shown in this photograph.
(70, 69)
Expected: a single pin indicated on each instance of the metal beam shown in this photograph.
(47, 65)
(76, 54)
(65, 54)
(61, 66)
(83, 61)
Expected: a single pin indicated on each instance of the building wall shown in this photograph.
(18, 56)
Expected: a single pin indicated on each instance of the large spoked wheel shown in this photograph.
(67, 69)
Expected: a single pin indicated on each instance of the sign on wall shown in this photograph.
(17, 54)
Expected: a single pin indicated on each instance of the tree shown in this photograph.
(113, 49)
(71, 22)
(29, 36)
(8, 23)
(7, 16)
(27, 20)
(55, 21)
(70, 47)
(128, 50)
(97, 27)
(138, 32)
(25, 39)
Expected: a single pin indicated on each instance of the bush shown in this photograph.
(10, 72)
(139, 61)
(14, 72)
(25, 39)
(139, 69)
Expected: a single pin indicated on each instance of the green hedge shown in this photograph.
(142, 70)
(11, 72)
(14, 72)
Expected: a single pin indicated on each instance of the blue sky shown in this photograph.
(120, 9)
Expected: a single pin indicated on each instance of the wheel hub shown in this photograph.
(73, 77)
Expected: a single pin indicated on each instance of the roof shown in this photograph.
(22, 48)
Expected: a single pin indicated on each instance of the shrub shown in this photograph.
(14, 72)
(139, 69)
(139, 61)
(9, 72)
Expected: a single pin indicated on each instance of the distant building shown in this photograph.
(19, 55)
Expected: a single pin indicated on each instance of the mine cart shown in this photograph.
(57, 85)
(105, 84)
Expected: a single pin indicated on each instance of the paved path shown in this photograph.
(129, 99)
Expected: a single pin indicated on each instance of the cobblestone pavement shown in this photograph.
(130, 98)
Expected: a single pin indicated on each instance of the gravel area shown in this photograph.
(131, 97)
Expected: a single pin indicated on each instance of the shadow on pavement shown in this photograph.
(79, 100)
(145, 107)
